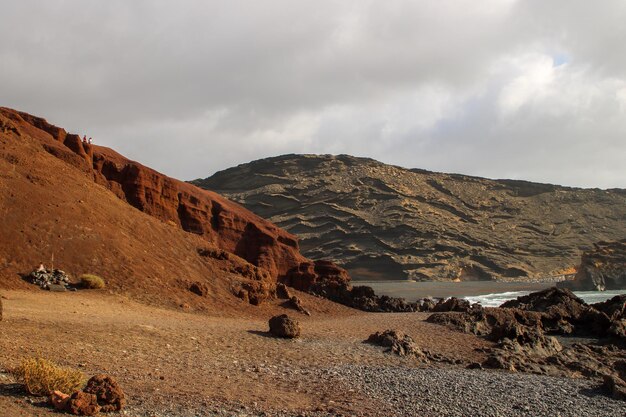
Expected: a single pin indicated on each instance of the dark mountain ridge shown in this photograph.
(387, 222)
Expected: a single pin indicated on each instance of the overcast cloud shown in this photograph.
(499, 88)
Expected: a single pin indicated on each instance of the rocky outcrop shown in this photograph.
(284, 326)
(563, 313)
(522, 329)
(386, 222)
(362, 297)
(603, 268)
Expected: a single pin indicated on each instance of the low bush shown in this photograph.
(40, 377)
(92, 282)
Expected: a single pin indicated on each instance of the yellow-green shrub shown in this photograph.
(91, 281)
(40, 377)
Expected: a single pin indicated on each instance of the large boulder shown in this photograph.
(284, 326)
(107, 391)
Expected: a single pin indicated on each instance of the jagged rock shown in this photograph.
(109, 394)
(284, 326)
(614, 308)
(603, 268)
(397, 342)
(452, 304)
(82, 404)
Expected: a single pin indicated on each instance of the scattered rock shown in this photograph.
(46, 278)
(81, 403)
(397, 342)
(284, 326)
(107, 391)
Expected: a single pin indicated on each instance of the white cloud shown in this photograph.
(531, 89)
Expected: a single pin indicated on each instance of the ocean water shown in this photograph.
(496, 299)
(487, 293)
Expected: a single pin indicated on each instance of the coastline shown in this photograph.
(413, 290)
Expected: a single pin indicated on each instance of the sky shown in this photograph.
(532, 90)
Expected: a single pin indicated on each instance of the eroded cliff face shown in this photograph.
(602, 268)
(386, 222)
(217, 220)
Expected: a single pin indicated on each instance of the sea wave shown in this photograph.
(497, 299)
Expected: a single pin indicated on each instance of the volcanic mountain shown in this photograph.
(86, 209)
(386, 222)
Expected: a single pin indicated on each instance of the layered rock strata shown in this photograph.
(386, 222)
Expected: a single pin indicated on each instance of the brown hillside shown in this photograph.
(62, 198)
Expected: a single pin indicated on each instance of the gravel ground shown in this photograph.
(441, 392)
(461, 392)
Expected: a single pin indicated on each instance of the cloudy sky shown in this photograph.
(499, 88)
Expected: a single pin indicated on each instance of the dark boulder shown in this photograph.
(284, 326)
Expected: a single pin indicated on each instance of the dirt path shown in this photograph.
(160, 356)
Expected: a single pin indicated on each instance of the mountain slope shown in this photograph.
(92, 210)
(386, 222)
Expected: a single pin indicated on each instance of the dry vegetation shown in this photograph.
(92, 282)
(41, 376)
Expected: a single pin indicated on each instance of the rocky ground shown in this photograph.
(176, 363)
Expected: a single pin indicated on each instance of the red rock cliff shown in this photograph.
(205, 213)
